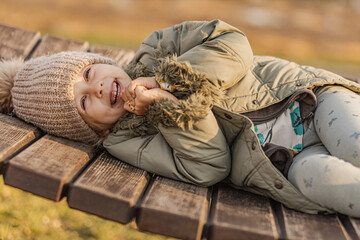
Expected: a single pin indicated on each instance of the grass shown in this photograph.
(25, 216)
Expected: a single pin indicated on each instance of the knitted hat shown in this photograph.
(41, 91)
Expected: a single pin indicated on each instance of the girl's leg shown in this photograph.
(327, 180)
(318, 171)
(337, 122)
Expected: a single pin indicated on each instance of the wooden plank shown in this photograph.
(14, 134)
(121, 56)
(47, 166)
(174, 209)
(16, 42)
(125, 56)
(356, 225)
(300, 225)
(56, 161)
(52, 44)
(108, 188)
(237, 214)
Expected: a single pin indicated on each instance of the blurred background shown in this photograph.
(322, 33)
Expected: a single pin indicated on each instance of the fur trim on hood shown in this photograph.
(195, 93)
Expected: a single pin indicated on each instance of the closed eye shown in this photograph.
(82, 102)
(87, 73)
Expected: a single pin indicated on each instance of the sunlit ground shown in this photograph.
(323, 33)
(25, 216)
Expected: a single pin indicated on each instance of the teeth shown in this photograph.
(115, 93)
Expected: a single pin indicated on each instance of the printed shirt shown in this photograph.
(286, 130)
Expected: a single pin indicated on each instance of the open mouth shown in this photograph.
(115, 93)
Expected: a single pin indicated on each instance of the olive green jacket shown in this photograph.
(209, 136)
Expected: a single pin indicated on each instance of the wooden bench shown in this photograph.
(94, 182)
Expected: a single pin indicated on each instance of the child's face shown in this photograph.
(97, 95)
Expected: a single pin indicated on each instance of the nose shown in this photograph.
(97, 88)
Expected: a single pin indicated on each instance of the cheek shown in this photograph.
(106, 115)
(96, 111)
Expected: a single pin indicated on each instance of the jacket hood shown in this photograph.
(195, 93)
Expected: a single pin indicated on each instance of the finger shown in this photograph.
(129, 107)
(140, 90)
(123, 95)
(126, 107)
(147, 82)
(131, 88)
(129, 97)
(126, 96)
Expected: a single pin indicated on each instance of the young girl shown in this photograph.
(195, 105)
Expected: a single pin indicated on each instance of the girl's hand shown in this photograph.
(144, 97)
(129, 94)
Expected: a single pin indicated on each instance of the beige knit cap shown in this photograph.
(43, 94)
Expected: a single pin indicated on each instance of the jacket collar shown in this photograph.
(195, 93)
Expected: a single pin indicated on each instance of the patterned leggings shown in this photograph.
(327, 171)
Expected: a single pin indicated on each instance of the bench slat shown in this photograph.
(237, 214)
(125, 56)
(45, 167)
(49, 171)
(16, 42)
(356, 225)
(121, 56)
(51, 44)
(108, 188)
(14, 134)
(174, 209)
(300, 225)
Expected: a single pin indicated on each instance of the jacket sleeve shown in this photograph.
(216, 49)
(199, 155)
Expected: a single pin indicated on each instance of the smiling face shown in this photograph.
(97, 95)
